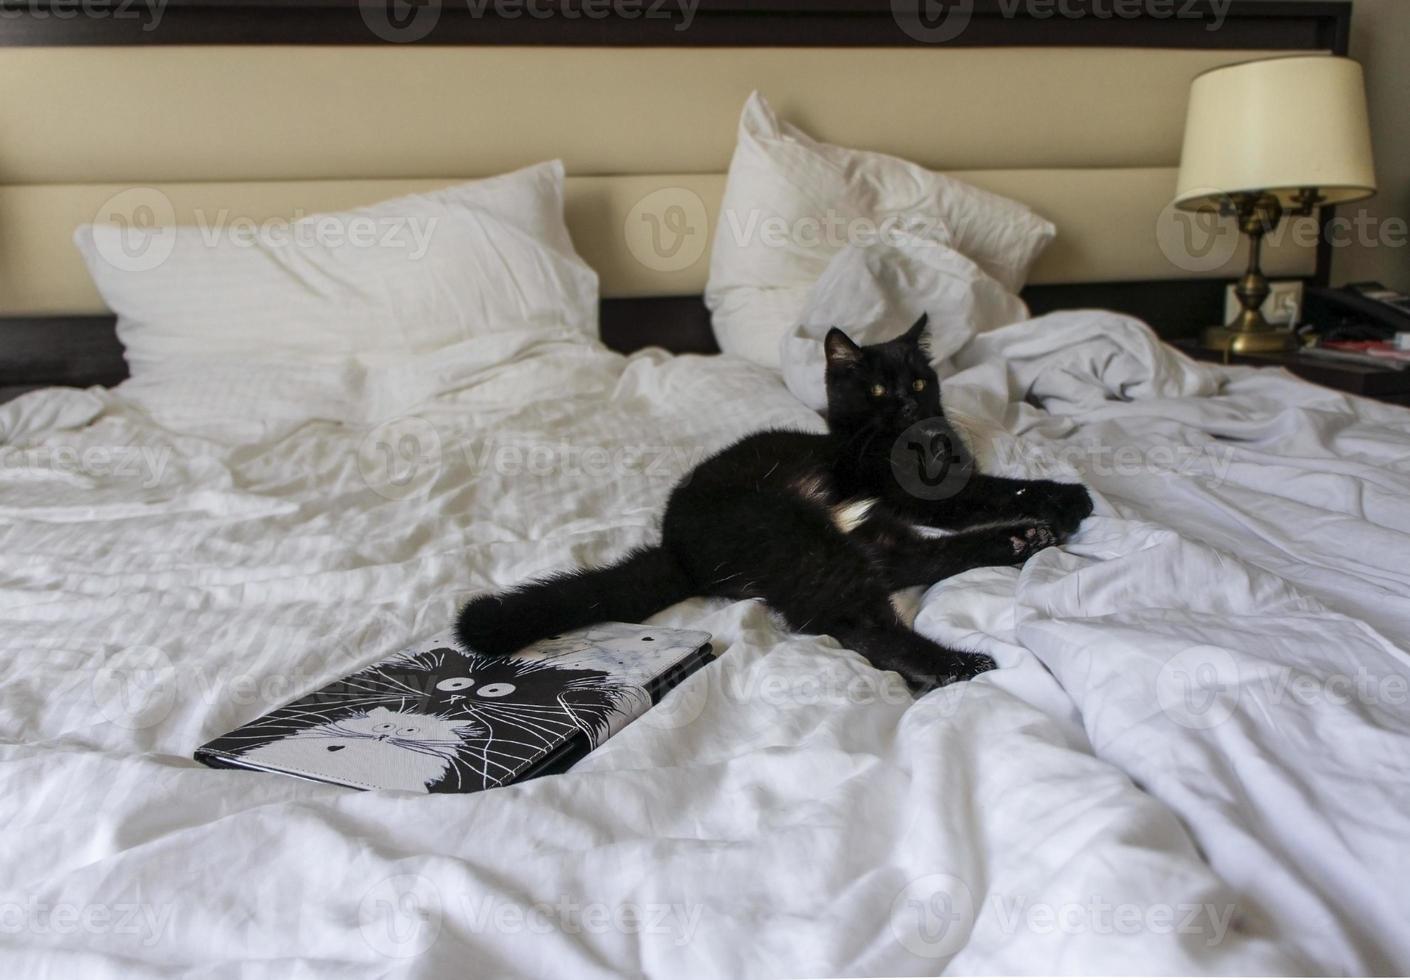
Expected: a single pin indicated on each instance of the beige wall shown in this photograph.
(1380, 40)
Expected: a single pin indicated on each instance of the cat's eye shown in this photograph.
(385, 726)
(878, 390)
(495, 690)
(455, 683)
(918, 384)
(407, 731)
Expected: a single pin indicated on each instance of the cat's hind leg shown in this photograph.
(821, 579)
(862, 618)
(910, 559)
(923, 663)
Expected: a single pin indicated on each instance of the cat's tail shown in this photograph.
(641, 584)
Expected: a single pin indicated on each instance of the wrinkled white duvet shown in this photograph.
(1196, 758)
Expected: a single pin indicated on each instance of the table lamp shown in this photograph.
(1268, 138)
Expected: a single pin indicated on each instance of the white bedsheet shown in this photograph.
(1085, 809)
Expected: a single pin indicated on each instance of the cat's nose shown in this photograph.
(910, 410)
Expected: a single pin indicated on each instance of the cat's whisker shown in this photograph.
(395, 683)
(546, 734)
(505, 741)
(542, 714)
(542, 741)
(370, 697)
(508, 770)
(508, 719)
(518, 760)
(512, 715)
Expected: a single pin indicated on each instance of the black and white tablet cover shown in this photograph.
(437, 718)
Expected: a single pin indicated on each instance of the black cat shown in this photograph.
(818, 526)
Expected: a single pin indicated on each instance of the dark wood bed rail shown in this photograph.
(1273, 24)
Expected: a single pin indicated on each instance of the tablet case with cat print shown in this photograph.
(437, 718)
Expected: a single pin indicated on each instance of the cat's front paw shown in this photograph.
(1065, 506)
(1028, 541)
(962, 667)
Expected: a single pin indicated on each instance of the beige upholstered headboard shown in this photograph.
(260, 132)
(1087, 132)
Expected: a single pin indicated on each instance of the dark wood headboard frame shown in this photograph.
(84, 350)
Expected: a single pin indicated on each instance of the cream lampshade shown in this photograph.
(1265, 137)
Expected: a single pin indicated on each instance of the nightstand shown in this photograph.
(1384, 384)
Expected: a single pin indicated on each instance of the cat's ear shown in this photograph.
(916, 334)
(841, 352)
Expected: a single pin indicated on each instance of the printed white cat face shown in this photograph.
(394, 749)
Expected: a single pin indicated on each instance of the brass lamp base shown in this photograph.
(1234, 341)
(1249, 332)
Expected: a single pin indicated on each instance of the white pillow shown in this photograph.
(791, 203)
(331, 294)
(875, 293)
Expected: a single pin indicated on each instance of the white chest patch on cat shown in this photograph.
(849, 516)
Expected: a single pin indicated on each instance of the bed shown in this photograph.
(1193, 760)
